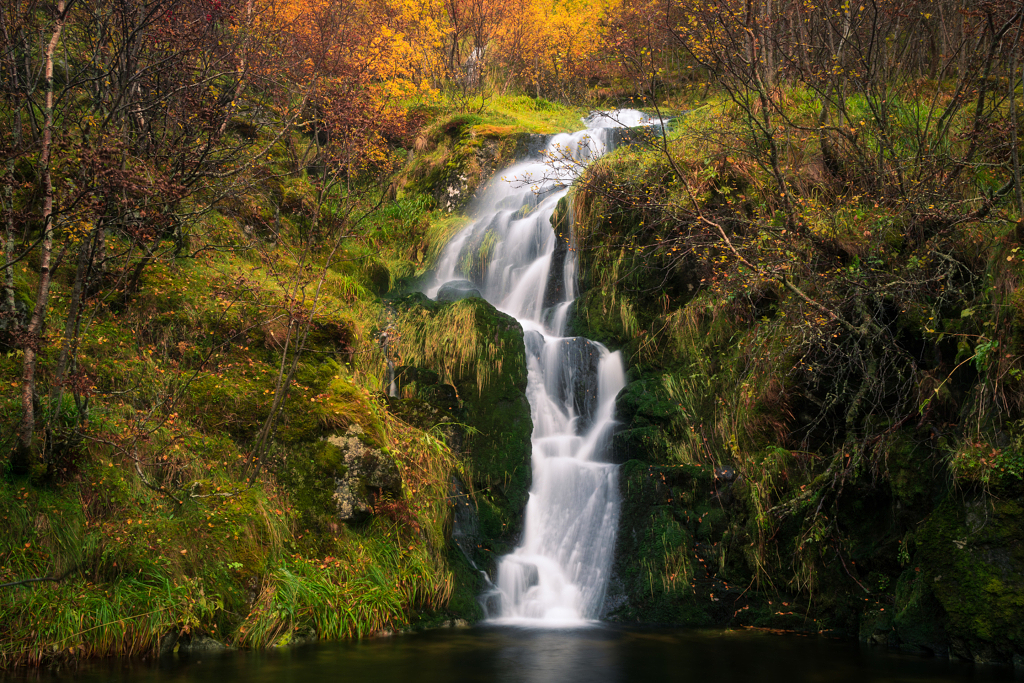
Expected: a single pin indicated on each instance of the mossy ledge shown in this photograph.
(813, 437)
(151, 524)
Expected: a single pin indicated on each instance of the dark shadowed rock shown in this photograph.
(554, 290)
(199, 645)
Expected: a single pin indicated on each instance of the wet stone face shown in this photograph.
(457, 289)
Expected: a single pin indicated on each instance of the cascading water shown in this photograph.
(559, 574)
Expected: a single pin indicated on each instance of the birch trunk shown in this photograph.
(23, 457)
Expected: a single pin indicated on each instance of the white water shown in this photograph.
(559, 574)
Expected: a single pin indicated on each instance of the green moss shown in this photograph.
(466, 371)
(972, 555)
(912, 470)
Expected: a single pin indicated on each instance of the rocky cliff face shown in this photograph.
(762, 487)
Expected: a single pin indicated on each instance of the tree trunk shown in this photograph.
(22, 459)
(9, 309)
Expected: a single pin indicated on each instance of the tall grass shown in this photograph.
(451, 341)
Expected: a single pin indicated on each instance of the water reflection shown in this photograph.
(544, 656)
(520, 655)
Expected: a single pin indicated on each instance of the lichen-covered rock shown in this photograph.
(453, 193)
(366, 475)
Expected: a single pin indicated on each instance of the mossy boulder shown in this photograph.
(338, 479)
(668, 543)
(469, 364)
(498, 445)
(918, 618)
(971, 555)
(645, 413)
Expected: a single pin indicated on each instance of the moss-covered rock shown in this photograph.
(971, 554)
(498, 446)
(466, 366)
(660, 572)
(458, 158)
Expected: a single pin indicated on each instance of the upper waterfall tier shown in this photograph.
(507, 250)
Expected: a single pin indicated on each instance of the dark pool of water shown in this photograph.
(514, 655)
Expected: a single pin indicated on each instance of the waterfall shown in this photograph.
(559, 574)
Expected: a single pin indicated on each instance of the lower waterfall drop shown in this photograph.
(558, 576)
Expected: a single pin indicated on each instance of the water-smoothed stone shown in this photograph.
(456, 290)
(576, 383)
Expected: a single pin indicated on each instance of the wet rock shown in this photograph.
(168, 642)
(578, 379)
(491, 602)
(465, 521)
(457, 289)
(199, 645)
(554, 291)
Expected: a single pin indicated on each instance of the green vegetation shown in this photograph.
(213, 219)
(840, 365)
(159, 514)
